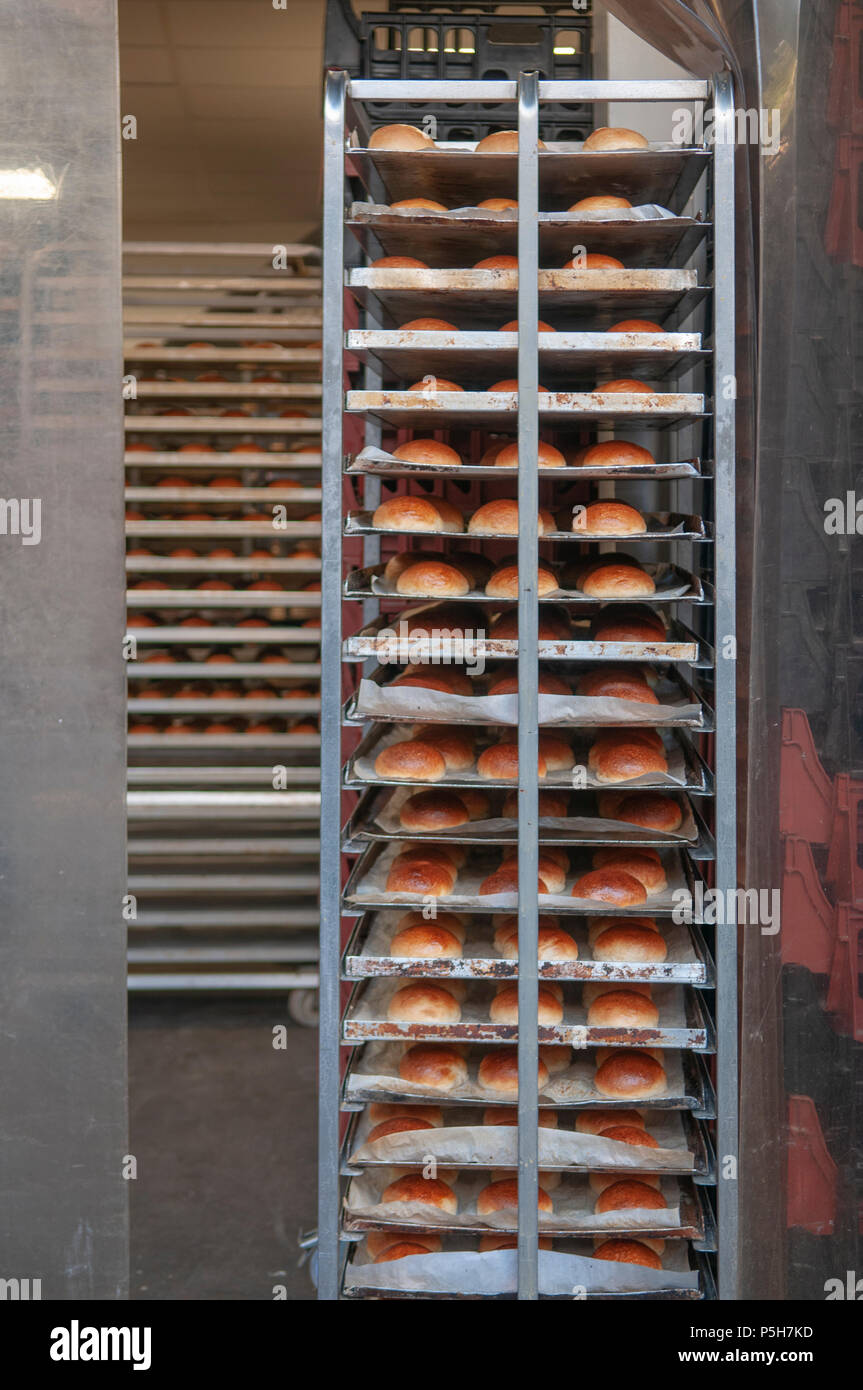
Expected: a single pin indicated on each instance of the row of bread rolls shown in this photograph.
(215, 656)
(605, 577)
(596, 202)
(621, 623)
(436, 751)
(590, 260)
(633, 940)
(599, 682)
(216, 619)
(384, 1247)
(430, 811)
(608, 1005)
(408, 137)
(194, 691)
(138, 725)
(620, 1073)
(503, 453)
(424, 512)
(640, 1192)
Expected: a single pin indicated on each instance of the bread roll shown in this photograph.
(379, 1241)
(498, 1071)
(643, 864)
(610, 580)
(610, 886)
(428, 325)
(622, 1009)
(434, 811)
(400, 1251)
(628, 1074)
(510, 384)
(636, 326)
(448, 851)
(596, 1121)
(504, 1007)
(417, 204)
(443, 921)
(502, 142)
(399, 1124)
(623, 758)
(432, 1192)
(508, 1115)
(500, 762)
(423, 1003)
(547, 456)
(609, 629)
(610, 518)
(508, 1242)
(553, 626)
(616, 683)
(497, 204)
(604, 1053)
(598, 1182)
(476, 801)
(439, 1067)
(492, 452)
(497, 263)
(650, 810)
(616, 453)
(411, 761)
(432, 579)
(549, 684)
(430, 941)
(630, 1134)
(511, 326)
(554, 944)
(615, 138)
(600, 202)
(416, 514)
(442, 678)
(556, 1058)
(454, 743)
(625, 385)
(628, 1252)
(594, 989)
(434, 385)
(506, 881)
(503, 1196)
(506, 925)
(431, 879)
(504, 582)
(597, 925)
(594, 260)
(630, 1195)
(399, 263)
(501, 518)
(557, 753)
(637, 945)
(427, 451)
(553, 804)
(400, 137)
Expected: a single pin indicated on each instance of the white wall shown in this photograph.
(619, 53)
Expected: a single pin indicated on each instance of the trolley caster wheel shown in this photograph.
(303, 1007)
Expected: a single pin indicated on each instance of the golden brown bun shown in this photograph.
(645, 865)
(630, 1075)
(421, 877)
(594, 260)
(409, 513)
(511, 326)
(434, 811)
(455, 744)
(594, 989)
(630, 1195)
(400, 1251)
(630, 1134)
(443, 678)
(502, 142)
(426, 451)
(610, 886)
(510, 383)
(503, 1196)
(504, 582)
(398, 263)
(604, 1053)
(400, 137)
(423, 1003)
(500, 762)
(504, 1007)
(497, 263)
(505, 1242)
(626, 943)
(626, 630)
(447, 921)
(614, 452)
(604, 202)
(423, 204)
(610, 580)
(549, 684)
(433, 579)
(379, 1241)
(498, 1071)
(552, 804)
(430, 941)
(506, 881)
(636, 326)
(625, 385)
(427, 325)
(433, 1192)
(556, 752)
(497, 204)
(554, 944)
(411, 761)
(506, 926)
(628, 1252)
(623, 758)
(492, 452)
(424, 859)
(616, 683)
(615, 137)
(556, 1058)
(547, 455)
(608, 519)
(442, 1068)
(508, 1115)
(597, 925)
(435, 384)
(399, 1124)
(598, 1182)
(553, 626)
(501, 518)
(650, 810)
(476, 801)
(622, 1009)
(596, 1121)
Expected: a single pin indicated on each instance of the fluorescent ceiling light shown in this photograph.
(26, 183)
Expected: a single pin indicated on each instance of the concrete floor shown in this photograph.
(223, 1128)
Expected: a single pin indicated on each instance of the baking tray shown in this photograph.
(167, 528)
(218, 598)
(673, 583)
(453, 174)
(369, 997)
(206, 391)
(567, 1267)
(377, 463)
(232, 356)
(698, 778)
(450, 241)
(681, 874)
(243, 742)
(218, 671)
(224, 495)
(221, 424)
(661, 526)
(238, 705)
(398, 704)
(227, 635)
(564, 358)
(689, 960)
(205, 564)
(218, 460)
(690, 1135)
(696, 1092)
(499, 409)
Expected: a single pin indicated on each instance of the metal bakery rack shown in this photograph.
(676, 242)
(223, 493)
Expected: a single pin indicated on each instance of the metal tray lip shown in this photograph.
(701, 785)
(660, 344)
(360, 647)
(699, 592)
(354, 965)
(222, 458)
(697, 1034)
(375, 848)
(692, 470)
(556, 278)
(695, 529)
(502, 405)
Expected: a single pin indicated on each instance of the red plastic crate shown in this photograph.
(812, 1174)
(843, 993)
(805, 790)
(808, 916)
(844, 874)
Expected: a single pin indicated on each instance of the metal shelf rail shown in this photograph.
(388, 176)
(224, 669)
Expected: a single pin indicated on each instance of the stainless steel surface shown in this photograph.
(63, 1198)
